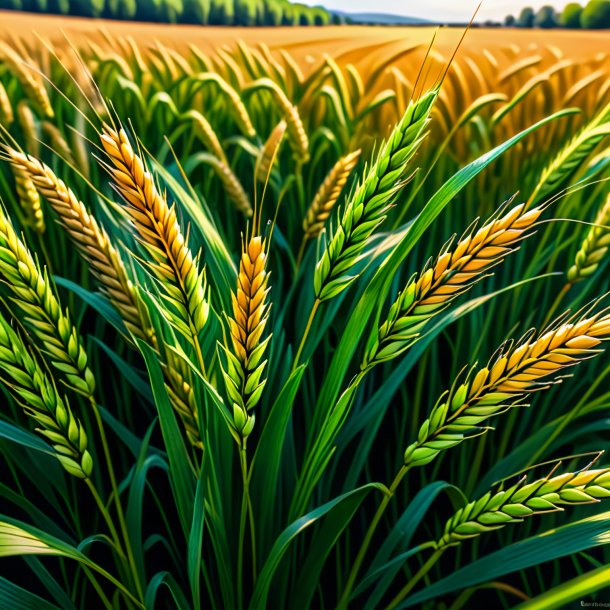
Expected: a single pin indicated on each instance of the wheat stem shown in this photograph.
(312, 315)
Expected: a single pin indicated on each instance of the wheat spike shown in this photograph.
(57, 142)
(244, 371)
(453, 272)
(594, 247)
(327, 195)
(28, 125)
(41, 401)
(269, 151)
(6, 109)
(231, 184)
(367, 209)
(158, 230)
(29, 199)
(495, 510)
(516, 370)
(32, 85)
(205, 132)
(34, 295)
(91, 240)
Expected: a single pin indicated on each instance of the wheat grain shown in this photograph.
(41, 400)
(6, 108)
(231, 184)
(327, 195)
(516, 370)
(245, 367)
(33, 293)
(31, 84)
(205, 132)
(269, 151)
(453, 272)
(594, 247)
(496, 510)
(29, 200)
(367, 209)
(29, 128)
(159, 232)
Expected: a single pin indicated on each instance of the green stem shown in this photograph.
(351, 580)
(312, 315)
(301, 253)
(117, 500)
(556, 303)
(418, 576)
(242, 525)
(98, 588)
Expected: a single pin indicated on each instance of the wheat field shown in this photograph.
(303, 318)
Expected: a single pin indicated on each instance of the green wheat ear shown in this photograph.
(368, 207)
(35, 390)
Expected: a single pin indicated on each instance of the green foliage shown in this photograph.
(570, 16)
(596, 15)
(545, 17)
(526, 18)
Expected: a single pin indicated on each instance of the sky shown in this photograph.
(459, 10)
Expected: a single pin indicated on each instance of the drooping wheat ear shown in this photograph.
(28, 125)
(269, 151)
(231, 184)
(457, 268)
(244, 373)
(159, 232)
(367, 209)
(6, 108)
(516, 370)
(570, 157)
(91, 240)
(205, 132)
(35, 390)
(495, 510)
(34, 295)
(594, 247)
(57, 142)
(29, 199)
(31, 83)
(327, 195)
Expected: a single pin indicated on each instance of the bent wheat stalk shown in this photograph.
(29, 199)
(231, 184)
(269, 151)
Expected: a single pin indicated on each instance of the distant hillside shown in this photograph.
(382, 18)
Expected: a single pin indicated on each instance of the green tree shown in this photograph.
(320, 16)
(245, 12)
(596, 15)
(570, 17)
(11, 5)
(273, 12)
(526, 18)
(196, 11)
(222, 12)
(92, 8)
(545, 17)
(510, 21)
(59, 7)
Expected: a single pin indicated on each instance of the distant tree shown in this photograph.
(11, 5)
(59, 7)
(545, 17)
(92, 8)
(170, 11)
(245, 12)
(273, 12)
(288, 13)
(596, 15)
(570, 17)
(510, 21)
(222, 12)
(526, 18)
(195, 11)
(320, 16)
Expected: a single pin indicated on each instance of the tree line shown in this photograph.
(594, 15)
(204, 12)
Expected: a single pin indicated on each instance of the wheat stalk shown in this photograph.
(205, 132)
(27, 122)
(516, 370)
(496, 510)
(594, 247)
(367, 209)
(57, 142)
(245, 367)
(231, 184)
(453, 272)
(33, 293)
(42, 402)
(159, 232)
(29, 200)
(327, 195)
(269, 151)
(6, 109)
(32, 86)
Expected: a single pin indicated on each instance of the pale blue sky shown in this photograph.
(433, 9)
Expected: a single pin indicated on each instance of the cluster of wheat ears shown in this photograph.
(242, 326)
